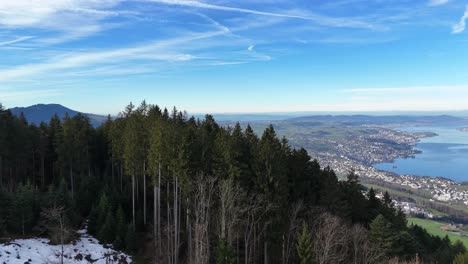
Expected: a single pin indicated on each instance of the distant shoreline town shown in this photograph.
(435, 189)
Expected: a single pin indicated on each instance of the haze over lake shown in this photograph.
(445, 155)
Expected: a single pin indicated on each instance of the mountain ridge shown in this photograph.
(44, 112)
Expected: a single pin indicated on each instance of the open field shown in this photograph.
(433, 227)
(418, 199)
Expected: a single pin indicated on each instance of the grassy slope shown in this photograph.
(416, 197)
(433, 227)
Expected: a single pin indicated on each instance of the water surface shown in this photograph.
(445, 155)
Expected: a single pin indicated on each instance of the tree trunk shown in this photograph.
(121, 178)
(202, 202)
(137, 189)
(133, 201)
(169, 235)
(178, 221)
(246, 250)
(155, 215)
(223, 218)
(159, 203)
(33, 170)
(188, 229)
(61, 238)
(89, 161)
(144, 193)
(42, 171)
(237, 251)
(1, 171)
(112, 169)
(71, 180)
(22, 224)
(175, 220)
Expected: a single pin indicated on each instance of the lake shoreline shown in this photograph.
(434, 155)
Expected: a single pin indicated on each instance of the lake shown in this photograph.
(445, 155)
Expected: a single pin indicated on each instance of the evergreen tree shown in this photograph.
(245, 184)
(225, 253)
(382, 236)
(373, 205)
(387, 199)
(5, 204)
(120, 229)
(461, 258)
(304, 246)
(133, 153)
(355, 202)
(22, 216)
(107, 232)
(93, 226)
(130, 239)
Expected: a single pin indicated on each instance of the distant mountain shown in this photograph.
(353, 118)
(44, 112)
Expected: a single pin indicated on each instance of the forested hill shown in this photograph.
(168, 188)
(44, 112)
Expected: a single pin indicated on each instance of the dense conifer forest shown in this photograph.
(168, 188)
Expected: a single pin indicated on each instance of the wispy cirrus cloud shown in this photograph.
(91, 42)
(460, 26)
(16, 40)
(437, 2)
(24, 13)
(168, 50)
(68, 19)
(320, 19)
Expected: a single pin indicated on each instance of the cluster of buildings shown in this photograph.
(383, 146)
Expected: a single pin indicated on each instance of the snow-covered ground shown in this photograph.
(37, 250)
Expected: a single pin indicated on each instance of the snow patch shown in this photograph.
(37, 250)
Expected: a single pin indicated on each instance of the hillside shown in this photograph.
(437, 228)
(43, 113)
(166, 188)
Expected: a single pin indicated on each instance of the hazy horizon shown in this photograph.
(290, 114)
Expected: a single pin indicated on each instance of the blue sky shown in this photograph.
(235, 56)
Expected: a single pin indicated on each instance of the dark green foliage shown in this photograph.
(130, 239)
(68, 163)
(461, 258)
(405, 246)
(383, 236)
(225, 254)
(93, 221)
(23, 215)
(304, 246)
(354, 203)
(5, 203)
(120, 229)
(107, 232)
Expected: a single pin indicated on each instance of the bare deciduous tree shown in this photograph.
(290, 237)
(229, 211)
(204, 190)
(57, 228)
(254, 224)
(361, 251)
(397, 261)
(330, 243)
